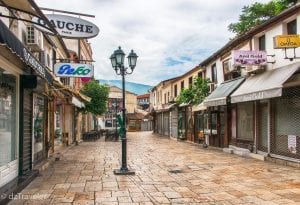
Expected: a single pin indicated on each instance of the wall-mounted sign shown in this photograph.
(249, 57)
(75, 70)
(287, 41)
(68, 26)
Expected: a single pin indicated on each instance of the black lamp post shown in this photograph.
(117, 62)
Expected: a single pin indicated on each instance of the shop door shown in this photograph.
(217, 129)
(262, 141)
(166, 124)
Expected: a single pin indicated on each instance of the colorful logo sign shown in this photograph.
(73, 70)
(287, 41)
(249, 57)
(68, 26)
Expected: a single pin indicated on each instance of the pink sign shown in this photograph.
(249, 57)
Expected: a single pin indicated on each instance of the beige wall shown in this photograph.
(130, 100)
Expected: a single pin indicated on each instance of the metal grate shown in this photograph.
(285, 140)
(262, 139)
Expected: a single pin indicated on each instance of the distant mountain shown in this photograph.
(136, 88)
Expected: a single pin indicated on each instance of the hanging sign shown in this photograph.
(287, 41)
(249, 57)
(75, 70)
(68, 26)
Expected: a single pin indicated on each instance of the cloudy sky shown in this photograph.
(169, 36)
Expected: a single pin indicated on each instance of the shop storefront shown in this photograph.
(267, 113)
(9, 135)
(217, 118)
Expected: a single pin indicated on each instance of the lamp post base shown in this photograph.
(124, 172)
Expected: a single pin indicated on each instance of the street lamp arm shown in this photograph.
(126, 71)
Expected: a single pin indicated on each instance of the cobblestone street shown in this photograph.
(167, 172)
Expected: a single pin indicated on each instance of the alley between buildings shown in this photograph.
(167, 172)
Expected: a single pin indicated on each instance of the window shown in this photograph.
(262, 43)
(165, 98)
(200, 75)
(227, 66)
(245, 121)
(175, 90)
(214, 73)
(190, 81)
(168, 96)
(182, 85)
(292, 27)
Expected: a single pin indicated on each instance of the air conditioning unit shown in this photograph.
(33, 38)
(256, 69)
(212, 87)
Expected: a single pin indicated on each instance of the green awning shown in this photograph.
(224, 90)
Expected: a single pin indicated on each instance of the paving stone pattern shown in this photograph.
(167, 172)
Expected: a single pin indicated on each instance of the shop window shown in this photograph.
(262, 43)
(214, 124)
(199, 125)
(206, 123)
(245, 121)
(38, 124)
(8, 109)
(214, 73)
(292, 27)
(175, 90)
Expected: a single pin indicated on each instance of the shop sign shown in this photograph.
(68, 26)
(249, 57)
(287, 41)
(292, 143)
(73, 70)
(35, 64)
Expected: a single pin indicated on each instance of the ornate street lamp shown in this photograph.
(117, 62)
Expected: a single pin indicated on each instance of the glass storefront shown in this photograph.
(8, 126)
(38, 125)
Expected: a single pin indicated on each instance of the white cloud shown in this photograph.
(160, 31)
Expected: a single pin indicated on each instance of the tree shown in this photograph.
(99, 97)
(258, 13)
(196, 93)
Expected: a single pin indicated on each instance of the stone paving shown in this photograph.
(167, 172)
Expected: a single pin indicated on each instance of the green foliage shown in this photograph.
(196, 93)
(99, 97)
(258, 13)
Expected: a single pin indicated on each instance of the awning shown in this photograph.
(266, 85)
(220, 94)
(199, 107)
(20, 5)
(77, 103)
(166, 108)
(10, 42)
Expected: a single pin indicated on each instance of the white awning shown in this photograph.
(199, 107)
(77, 103)
(266, 85)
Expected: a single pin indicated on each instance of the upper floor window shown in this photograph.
(168, 96)
(200, 75)
(262, 43)
(190, 81)
(165, 98)
(175, 90)
(292, 27)
(214, 73)
(182, 85)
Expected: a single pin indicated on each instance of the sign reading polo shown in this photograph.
(75, 70)
(68, 26)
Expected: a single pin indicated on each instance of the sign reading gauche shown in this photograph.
(287, 41)
(68, 26)
(73, 70)
(249, 57)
